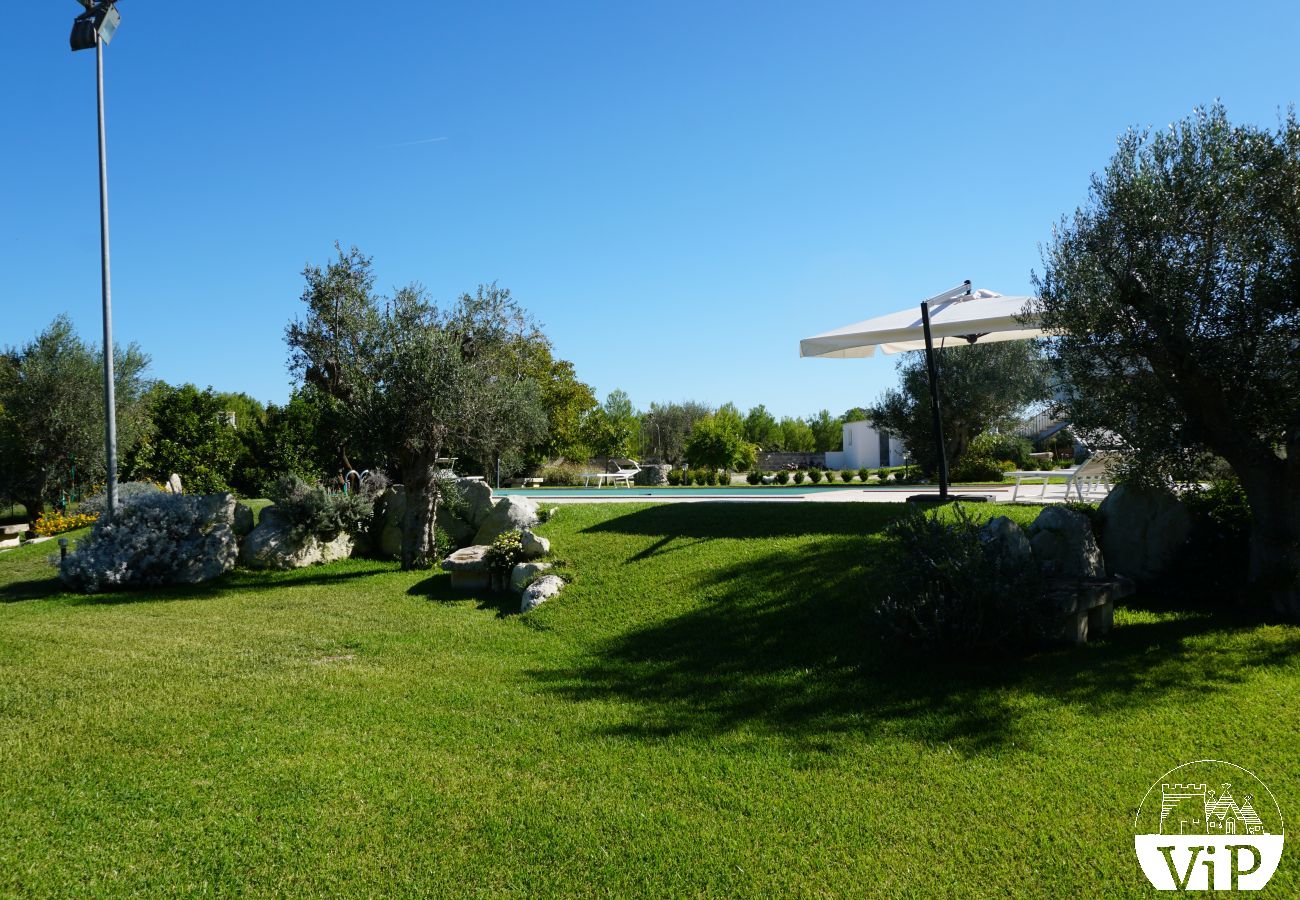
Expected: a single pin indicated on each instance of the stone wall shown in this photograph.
(770, 462)
(652, 475)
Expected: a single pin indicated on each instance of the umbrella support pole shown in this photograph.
(933, 370)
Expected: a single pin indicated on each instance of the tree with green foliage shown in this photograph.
(1176, 290)
(297, 439)
(52, 415)
(761, 428)
(512, 414)
(190, 434)
(666, 427)
(716, 443)
(566, 400)
(414, 380)
(981, 386)
(828, 432)
(796, 436)
(611, 429)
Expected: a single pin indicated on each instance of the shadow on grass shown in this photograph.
(785, 643)
(30, 589)
(707, 520)
(239, 581)
(438, 589)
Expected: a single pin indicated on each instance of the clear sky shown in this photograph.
(679, 191)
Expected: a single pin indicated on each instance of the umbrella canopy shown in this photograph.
(958, 317)
(954, 318)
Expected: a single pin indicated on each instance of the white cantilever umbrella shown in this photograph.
(954, 318)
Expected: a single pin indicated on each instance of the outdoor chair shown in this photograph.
(622, 472)
(1089, 479)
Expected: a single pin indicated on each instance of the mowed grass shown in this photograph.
(702, 712)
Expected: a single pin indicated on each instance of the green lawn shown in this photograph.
(702, 712)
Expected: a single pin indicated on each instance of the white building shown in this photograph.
(866, 447)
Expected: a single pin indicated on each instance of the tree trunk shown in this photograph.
(1274, 571)
(421, 511)
(35, 506)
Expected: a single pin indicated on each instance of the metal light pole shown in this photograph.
(95, 28)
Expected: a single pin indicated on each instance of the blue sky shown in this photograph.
(679, 191)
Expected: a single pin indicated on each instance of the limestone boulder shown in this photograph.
(1064, 545)
(273, 545)
(509, 514)
(524, 572)
(386, 528)
(655, 475)
(540, 591)
(1008, 542)
(476, 494)
(390, 513)
(469, 568)
(535, 546)
(219, 509)
(243, 519)
(1142, 530)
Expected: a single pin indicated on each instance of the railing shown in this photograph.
(1036, 425)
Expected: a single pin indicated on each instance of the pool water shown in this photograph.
(775, 493)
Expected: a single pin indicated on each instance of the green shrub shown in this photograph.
(754, 476)
(799, 477)
(710, 477)
(563, 474)
(882, 475)
(864, 475)
(674, 477)
(505, 552)
(310, 510)
(846, 475)
(1002, 446)
(979, 468)
(949, 591)
(1213, 564)
(815, 475)
(783, 477)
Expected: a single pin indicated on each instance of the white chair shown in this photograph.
(625, 470)
(1089, 479)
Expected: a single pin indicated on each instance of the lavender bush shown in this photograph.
(155, 540)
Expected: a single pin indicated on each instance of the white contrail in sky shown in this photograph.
(413, 143)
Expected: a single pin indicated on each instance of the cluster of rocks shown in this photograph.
(470, 570)
(1141, 531)
(1060, 542)
(479, 518)
(274, 544)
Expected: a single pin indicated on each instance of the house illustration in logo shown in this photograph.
(1192, 809)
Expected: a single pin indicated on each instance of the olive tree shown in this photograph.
(666, 427)
(980, 386)
(1176, 290)
(52, 414)
(414, 380)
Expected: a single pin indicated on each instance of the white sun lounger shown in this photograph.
(1091, 478)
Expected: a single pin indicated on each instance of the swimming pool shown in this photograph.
(615, 493)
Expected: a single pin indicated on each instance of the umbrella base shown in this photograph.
(951, 498)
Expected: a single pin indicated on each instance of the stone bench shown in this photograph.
(469, 568)
(1087, 606)
(12, 535)
(526, 482)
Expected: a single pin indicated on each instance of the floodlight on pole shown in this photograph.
(95, 28)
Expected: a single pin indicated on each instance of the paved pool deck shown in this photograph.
(739, 494)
